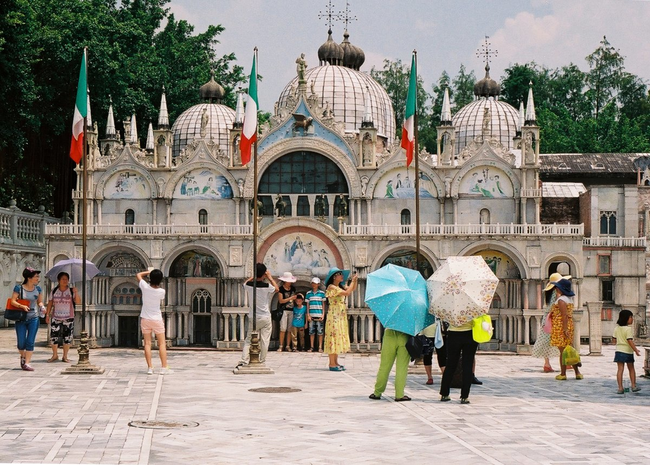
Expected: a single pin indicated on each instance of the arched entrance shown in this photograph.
(202, 317)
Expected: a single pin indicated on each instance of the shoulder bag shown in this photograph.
(16, 313)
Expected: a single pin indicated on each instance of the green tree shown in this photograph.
(604, 76)
(462, 88)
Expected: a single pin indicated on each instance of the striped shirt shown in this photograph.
(315, 302)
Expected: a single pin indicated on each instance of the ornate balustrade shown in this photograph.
(554, 230)
(150, 230)
(23, 229)
(608, 241)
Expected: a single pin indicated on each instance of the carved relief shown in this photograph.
(236, 255)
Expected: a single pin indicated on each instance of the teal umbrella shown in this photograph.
(398, 296)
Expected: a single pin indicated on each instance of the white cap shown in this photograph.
(315, 280)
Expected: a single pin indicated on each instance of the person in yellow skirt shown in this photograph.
(562, 319)
(337, 335)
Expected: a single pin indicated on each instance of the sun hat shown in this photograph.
(332, 272)
(315, 280)
(554, 278)
(564, 285)
(287, 277)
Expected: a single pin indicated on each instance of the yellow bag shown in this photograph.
(570, 356)
(482, 328)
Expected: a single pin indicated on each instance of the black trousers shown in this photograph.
(459, 342)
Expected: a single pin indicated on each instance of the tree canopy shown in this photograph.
(135, 47)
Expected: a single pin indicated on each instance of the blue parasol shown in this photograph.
(398, 296)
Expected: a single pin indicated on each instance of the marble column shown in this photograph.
(595, 328)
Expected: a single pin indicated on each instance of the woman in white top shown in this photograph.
(151, 319)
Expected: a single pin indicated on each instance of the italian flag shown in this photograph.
(249, 132)
(80, 112)
(408, 128)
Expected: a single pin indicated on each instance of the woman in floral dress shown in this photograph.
(543, 348)
(337, 336)
(562, 332)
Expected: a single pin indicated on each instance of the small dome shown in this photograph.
(353, 56)
(187, 126)
(212, 91)
(468, 122)
(330, 52)
(487, 87)
(345, 90)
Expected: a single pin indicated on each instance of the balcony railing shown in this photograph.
(607, 241)
(565, 230)
(21, 228)
(150, 230)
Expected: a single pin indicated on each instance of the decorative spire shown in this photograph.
(367, 121)
(239, 110)
(487, 87)
(134, 130)
(110, 121)
(149, 144)
(212, 91)
(522, 113)
(445, 115)
(531, 119)
(163, 114)
(353, 56)
(89, 119)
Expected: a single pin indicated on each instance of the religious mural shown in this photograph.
(500, 264)
(399, 184)
(127, 185)
(203, 184)
(195, 264)
(485, 181)
(301, 254)
(121, 264)
(406, 259)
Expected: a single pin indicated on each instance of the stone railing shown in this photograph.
(464, 230)
(18, 228)
(530, 192)
(608, 241)
(149, 230)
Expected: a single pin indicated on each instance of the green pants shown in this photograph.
(393, 347)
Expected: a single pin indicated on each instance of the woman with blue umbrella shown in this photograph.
(337, 335)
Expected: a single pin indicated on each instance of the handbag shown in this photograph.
(548, 324)
(415, 346)
(482, 329)
(276, 315)
(16, 313)
(438, 341)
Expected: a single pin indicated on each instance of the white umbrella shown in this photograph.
(461, 289)
(73, 267)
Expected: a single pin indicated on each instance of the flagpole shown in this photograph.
(417, 171)
(255, 212)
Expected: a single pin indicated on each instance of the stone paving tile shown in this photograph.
(519, 416)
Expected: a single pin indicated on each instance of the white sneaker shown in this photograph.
(150, 371)
(166, 371)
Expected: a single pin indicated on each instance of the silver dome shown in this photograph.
(468, 122)
(187, 126)
(345, 89)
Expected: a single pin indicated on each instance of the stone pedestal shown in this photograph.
(83, 366)
(254, 367)
(595, 328)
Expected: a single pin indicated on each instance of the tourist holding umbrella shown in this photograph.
(337, 335)
(459, 291)
(60, 315)
(398, 296)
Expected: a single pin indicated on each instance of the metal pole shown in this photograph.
(417, 170)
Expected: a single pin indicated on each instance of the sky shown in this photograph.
(445, 33)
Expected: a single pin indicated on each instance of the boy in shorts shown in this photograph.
(151, 319)
(315, 312)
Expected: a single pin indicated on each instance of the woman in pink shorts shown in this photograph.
(151, 320)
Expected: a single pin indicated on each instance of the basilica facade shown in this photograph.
(334, 190)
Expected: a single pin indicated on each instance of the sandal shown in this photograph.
(445, 398)
(620, 391)
(636, 389)
(374, 397)
(429, 382)
(337, 368)
(53, 359)
(580, 376)
(464, 401)
(548, 369)
(403, 399)
(65, 360)
(561, 377)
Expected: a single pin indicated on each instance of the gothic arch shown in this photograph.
(503, 247)
(111, 247)
(186, 168)
(198, 245)
(101, 185)
(389, 166)
(319, 146)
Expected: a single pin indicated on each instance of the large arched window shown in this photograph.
(129, 217)
(303, 173)
(203, 216)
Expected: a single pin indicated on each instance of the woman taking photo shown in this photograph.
(337, 336)
(26, 330)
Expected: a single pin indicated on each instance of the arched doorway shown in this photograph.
(407, 259)
(201, 308)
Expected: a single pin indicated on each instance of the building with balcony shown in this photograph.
(334, 191)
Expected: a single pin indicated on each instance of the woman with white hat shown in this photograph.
(286, 296)
(562, 332)
(543, 348)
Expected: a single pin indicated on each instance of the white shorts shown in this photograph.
(285, 322)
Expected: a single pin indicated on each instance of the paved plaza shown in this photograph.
(519, 416)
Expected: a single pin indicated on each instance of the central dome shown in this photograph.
(469, 122)
(345, 89)
(187, 126)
